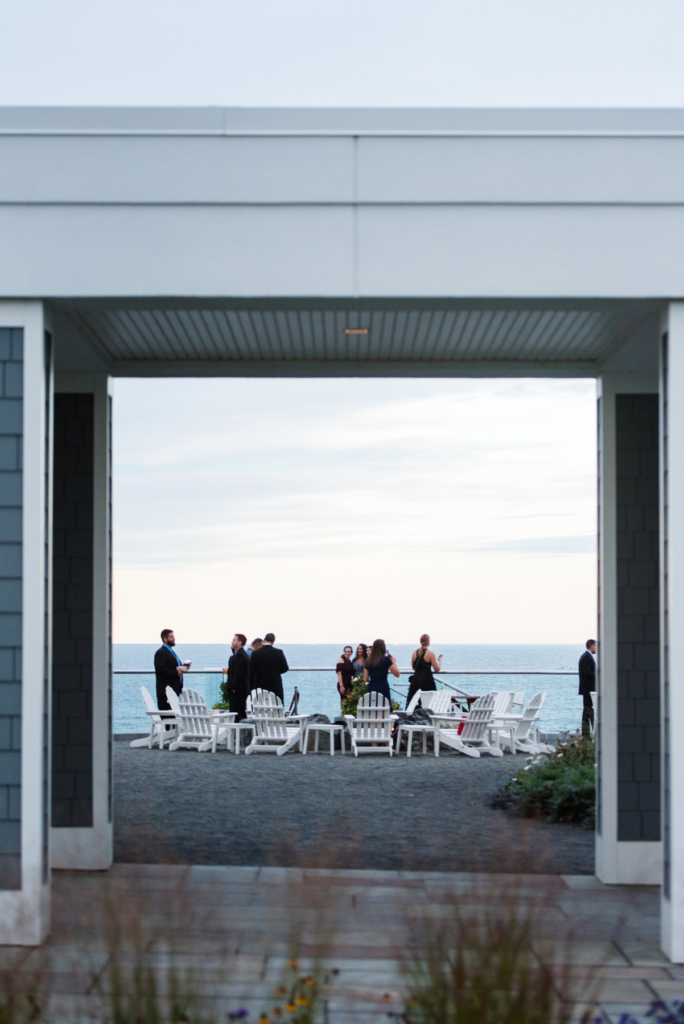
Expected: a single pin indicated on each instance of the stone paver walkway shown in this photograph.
(234, 929)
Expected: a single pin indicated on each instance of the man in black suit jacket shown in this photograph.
(266, 667)
(236, 686)
(587, 686)
(168, 669)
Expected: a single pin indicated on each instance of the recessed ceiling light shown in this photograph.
(356, 330)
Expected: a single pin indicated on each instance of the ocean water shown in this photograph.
(318, 690)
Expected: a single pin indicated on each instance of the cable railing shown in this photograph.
(403, 671)
(400, 694)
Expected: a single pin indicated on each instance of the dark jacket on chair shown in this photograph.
(165, 666)
(266, 667)
(587, 674)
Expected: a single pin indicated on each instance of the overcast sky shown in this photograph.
(334, 509)
(343, 52)
(330, 509)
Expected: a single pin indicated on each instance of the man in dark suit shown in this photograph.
(236, 686)
(587, 686)
(266, 667)
(168, 669)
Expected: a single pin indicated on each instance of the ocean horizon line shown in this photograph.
(403, 643)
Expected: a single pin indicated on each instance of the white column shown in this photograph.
(25, 911)
(617, 862)
(92, 848)
(672, 629)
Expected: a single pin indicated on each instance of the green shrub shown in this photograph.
(350, 702)
(558, 787)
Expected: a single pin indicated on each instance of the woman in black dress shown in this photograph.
(423, 662)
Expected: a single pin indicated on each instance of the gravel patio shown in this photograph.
(421, 813)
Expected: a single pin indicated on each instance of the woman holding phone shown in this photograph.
(377, 665)
(423, 663)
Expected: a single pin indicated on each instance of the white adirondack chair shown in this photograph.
(517, 704)
(502, 699)
(473, 739)
(273, 730)
(371, 730)
(163, 728)
(508, 710)
(520, 738)
(198, 725)
(437, 702)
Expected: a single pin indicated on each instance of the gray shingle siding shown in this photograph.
(11, 412)
(638, 618)
(72, 624)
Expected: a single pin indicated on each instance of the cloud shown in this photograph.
(574, 545)
(358, 480)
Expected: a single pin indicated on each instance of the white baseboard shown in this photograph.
(82, 849)
(629, 863)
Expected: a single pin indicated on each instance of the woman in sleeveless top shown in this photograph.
(359, 660)
(378, 664)
(423, 663)
(345, 673)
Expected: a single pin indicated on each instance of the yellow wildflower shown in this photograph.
(290, 1007)
(300, 1001)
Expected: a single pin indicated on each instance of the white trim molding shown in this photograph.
(672, 638)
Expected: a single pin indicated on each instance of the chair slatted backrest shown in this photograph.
(263, 702)
(172, 698)
(373, 720)
(439, 702)
(265, 697)
(516, 704)
(530, 716)
(194, 714)
(479, 717)
(502, 699)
